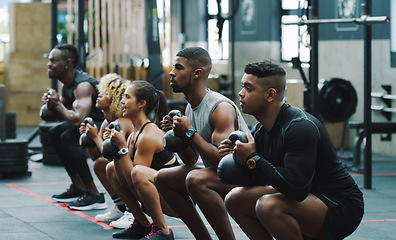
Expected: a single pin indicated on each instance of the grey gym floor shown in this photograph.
(27, 211)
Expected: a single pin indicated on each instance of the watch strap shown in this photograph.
(123, 151)
(190, 133)
(253, 154)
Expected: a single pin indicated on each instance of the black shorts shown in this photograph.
(343, 216)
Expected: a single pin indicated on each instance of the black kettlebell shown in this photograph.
(108, 149)
(171, 142)
(47, 114)
(85, 141)
(229, 171)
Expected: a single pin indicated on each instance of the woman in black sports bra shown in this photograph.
(142, 156)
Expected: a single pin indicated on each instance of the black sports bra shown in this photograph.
(159, 159)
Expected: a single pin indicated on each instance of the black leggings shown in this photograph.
(65, 139)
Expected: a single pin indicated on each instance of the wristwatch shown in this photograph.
(123, 151)
(252, 161)
(190, 133)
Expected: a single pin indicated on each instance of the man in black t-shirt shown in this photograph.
(297, 186)
(76, 102)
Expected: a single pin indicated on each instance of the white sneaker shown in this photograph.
(112, 215)
(123, 222)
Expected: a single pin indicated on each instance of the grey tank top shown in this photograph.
(201, 116)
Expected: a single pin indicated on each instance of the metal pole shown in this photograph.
(232, 22)
(2, 114)
(362, 20)
(54, 32)
(81, 35)
(314, 75)
(155, 70)
(367, 100)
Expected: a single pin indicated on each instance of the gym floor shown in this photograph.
(27, 211)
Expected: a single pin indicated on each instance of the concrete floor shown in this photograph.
(27, 211)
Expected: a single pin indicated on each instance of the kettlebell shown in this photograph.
(171, 142)
(85, 141)
(108, 150)
(47, 114)
(229, 171)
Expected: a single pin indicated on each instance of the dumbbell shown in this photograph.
(85, 141)
(108, 149)
(47, 114)
(171, 142)
(229, 171)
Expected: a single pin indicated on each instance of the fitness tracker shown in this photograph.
(190, 133)
(123, 151)
(251, 161)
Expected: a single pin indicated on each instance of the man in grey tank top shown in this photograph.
(210, 118)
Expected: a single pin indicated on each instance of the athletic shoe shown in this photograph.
(123, 222)
(135, 231)
(112, 215)
(89, 201)
(157, 233)
(70, 195)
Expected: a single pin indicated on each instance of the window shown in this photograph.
(217, 48)
(164, 13)
(294, 38)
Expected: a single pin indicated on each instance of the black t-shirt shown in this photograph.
(297, 158)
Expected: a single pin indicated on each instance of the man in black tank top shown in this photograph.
(76, 102)
(296, 185)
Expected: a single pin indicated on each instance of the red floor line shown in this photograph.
(104, 225)
(63, 205)
(184, 226)
(35, 165)
(380, 220)
(377, 174)
(42, 183)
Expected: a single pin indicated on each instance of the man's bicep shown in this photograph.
(84, 98)
(223, 120)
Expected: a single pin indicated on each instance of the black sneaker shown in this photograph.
(157, 233)
(89, 201)
(70, 195)
(135, 231)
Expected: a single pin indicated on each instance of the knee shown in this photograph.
(233, 199)
(160, 179)
(196, 181)
(267, 207)
(100, 165)
(69, 137)
(54, 134)
(110, 172)
(138, 175)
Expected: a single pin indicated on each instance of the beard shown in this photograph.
(176, 89)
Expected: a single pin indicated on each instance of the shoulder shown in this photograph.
(224, 109)
(126, 124)
(302, 128)
(151, 136)
(82, 76)
(84, 89)
(103, 126)
(105, 123)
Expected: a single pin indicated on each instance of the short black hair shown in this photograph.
(264, 68)
(70, 52)
(196, 57)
